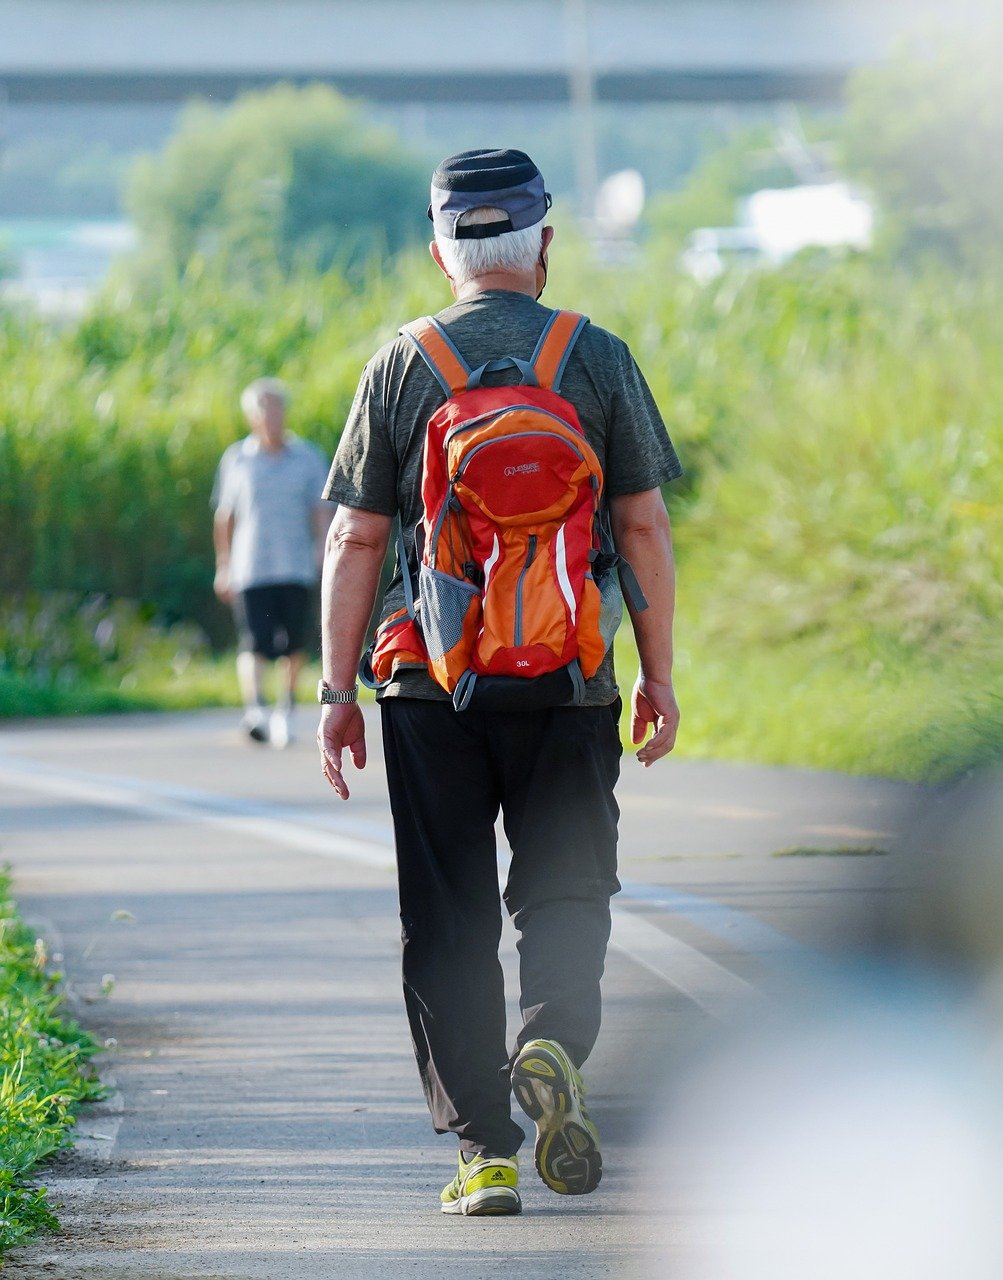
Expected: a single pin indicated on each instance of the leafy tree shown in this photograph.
(925, 130)
(288, 176)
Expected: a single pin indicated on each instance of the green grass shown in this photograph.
(206, 681)
(922, 723)
(882, 712)
(44, 1074)
(210, 684)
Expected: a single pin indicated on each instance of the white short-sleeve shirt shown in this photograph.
(271, 497)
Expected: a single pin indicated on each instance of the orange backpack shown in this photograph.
(517, 600)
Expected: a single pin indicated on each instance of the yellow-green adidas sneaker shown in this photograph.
(549, 1089)
(483, 1185)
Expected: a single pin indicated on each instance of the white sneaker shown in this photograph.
(280, 730)
(255, 724)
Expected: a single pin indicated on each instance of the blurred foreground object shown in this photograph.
(860, 1138)
(859, 1132)
(956, 846)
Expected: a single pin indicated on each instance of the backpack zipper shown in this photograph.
(516, 435)
(452, 503)
(530, 556)
(479, 421)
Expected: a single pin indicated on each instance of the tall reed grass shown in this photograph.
(841, 425)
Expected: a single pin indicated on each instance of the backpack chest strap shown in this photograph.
(546, 365)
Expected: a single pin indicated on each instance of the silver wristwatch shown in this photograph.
(326, 694)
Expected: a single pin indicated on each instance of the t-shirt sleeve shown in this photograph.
(639, 453)
(364, 471)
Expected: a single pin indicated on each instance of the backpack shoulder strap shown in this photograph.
(553, 351)
(439, 353)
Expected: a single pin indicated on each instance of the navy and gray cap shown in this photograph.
(503, 179)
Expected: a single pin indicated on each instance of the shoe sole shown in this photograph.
(568, 1158)
(485, 1203)
(257, 733)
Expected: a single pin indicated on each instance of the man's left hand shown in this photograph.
(341, 726)
(653, 704)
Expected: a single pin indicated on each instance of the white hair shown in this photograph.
(516, 251)
(252, 395)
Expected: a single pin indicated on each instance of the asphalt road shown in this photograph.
(265, 1118)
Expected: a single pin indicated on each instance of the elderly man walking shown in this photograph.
(269, 532)
(521, 454)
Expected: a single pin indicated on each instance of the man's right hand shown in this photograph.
(221, 586)
(341, 725)
(655, 704)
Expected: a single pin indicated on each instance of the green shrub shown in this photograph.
(287, 177)
(60, 639)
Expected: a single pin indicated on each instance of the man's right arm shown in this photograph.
(222, 540)
(643, 537)
(356, 545)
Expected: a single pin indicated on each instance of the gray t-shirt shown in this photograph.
(378, 463)
(272, 497)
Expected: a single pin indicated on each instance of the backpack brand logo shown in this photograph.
(526, 469)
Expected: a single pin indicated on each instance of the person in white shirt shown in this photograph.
(269, 530)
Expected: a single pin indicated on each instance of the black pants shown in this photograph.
(551, 774)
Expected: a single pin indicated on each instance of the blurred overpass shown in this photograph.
(430, 51)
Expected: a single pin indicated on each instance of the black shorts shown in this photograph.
(272, 620)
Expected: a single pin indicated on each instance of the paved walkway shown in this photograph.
(266, 1120)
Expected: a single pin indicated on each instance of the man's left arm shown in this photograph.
(643, 537)
(640, 459)
(356, 545)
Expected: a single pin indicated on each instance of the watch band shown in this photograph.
(328, 695)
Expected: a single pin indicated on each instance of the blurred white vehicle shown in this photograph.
(777, 224)
(821, 215)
